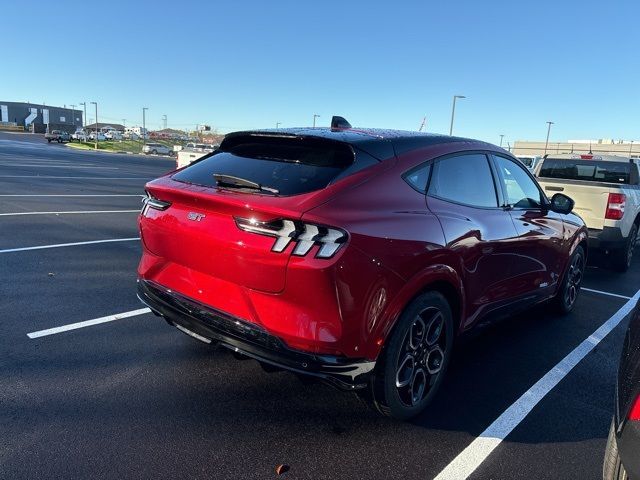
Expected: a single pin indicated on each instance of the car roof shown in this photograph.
(381, 143)
(590, 156)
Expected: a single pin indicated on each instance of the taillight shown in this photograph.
(615, 206)
(152, 202)
(635, 410)
(304, 235)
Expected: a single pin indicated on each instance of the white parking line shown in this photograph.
(605, 293)
(60, 245)
(91, 178)
(68, 212)
(65, 195)
(477, 452)
(57, 166)
(87, 323)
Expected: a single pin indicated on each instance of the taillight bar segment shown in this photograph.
(152, 202)
(305, 235)
(634, 414)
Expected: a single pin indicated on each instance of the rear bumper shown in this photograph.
(609, 238)
(628, 440)
(251, 340)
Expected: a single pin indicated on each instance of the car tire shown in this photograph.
(155, 152)
(567, 294)
(414, 360)
(621, 259)
(612, 468)
(48, 140)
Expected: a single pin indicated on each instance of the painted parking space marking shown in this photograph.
(83, 178)
(605, 293)
(57, 166)
(71, 195)
(87, 323)
(71, 212)
(477, 452)
(61, 245)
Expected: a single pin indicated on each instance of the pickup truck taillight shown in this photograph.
(615, 206)
(635, 410)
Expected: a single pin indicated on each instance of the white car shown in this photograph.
(113, 135)
(100, 135)
(606, 190)
(156, 148)
(530, 161)
(79, 136)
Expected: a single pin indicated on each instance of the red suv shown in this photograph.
(355, 256)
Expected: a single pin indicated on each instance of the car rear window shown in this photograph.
(290, 165)
(589, 170)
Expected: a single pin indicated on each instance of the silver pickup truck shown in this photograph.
(606, 190)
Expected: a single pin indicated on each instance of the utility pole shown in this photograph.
(453, 111)
(96, 137)
(84, 119)
(501, 137)
(314, 119)
(144, 128)
(546, 144)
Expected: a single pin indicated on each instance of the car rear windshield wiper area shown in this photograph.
(230, 181)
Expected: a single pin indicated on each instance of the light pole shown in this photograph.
(96, 143)
(546, 144)
(453, 111)
(164, 121)
(630, 148)
(84, 119)
(314, 119)
(278, 124)
(501, 137)
(144, 129)
(73, 116)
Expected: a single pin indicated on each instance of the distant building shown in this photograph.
(626, 148)
(37, 118)
(104, 127)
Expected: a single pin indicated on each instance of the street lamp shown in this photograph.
(546, 144)
(96, 143)
(501, 137)
(144, 129)
(84, 119)
(453, 111)
(73, 115)
(630, 148)
(314, 119)
(278, 124)
(164, 121)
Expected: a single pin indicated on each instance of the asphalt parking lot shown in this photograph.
(135, 398)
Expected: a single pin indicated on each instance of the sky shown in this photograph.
(251, 64)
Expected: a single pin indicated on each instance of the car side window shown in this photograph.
(418, 177)
(520, 189)
(466, 179)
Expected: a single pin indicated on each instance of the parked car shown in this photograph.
(622, 460)
(100, 136)
(606, 190)
(113, 135)
(57, 136)
(79, 136)
(156, 148)
(354, 256)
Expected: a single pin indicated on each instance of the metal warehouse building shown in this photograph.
(37, 118)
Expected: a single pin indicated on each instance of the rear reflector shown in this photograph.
(615, 206)
(635, 410)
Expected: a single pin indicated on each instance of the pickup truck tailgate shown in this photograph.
(591, 198)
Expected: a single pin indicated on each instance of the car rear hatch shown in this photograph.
(588, 181)
(194, 216)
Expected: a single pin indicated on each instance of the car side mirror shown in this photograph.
(560, 203)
